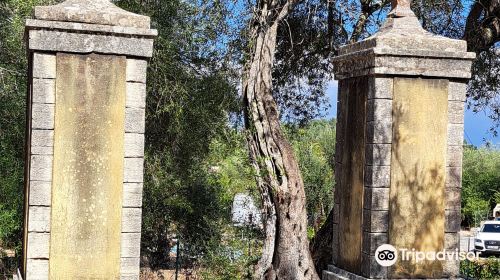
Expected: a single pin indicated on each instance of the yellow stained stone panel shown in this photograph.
(88, 167)
(418, 168)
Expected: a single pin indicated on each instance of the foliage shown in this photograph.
(233, 257)
(310, 37)
(230, 166)
(481, 269)
(446, 18)
(195, 162)
(480, 183)
(234, 254)
(484, 86)
(191, 92)
(314, 146)
(13, 81)
(303, 65)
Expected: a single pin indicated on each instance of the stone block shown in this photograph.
(457, 91)
(371, 269)
(129, 277)
(42, 142)
(42, 116)
(456, 112)
(132, 194)
(90, 28)
(375, 220)
(377, 176)
(39, 219)
(131, 220)
(41, 168)
(451, 241)
(37, 150)
(453, 177)
(37, 269)
(60, 41)
(455, 134)
(134, 145)
(136, 95)
(454, 156)
(40, 193)
(376, 198)
(380, 88)
(452, 198)
(378, 154)
(419, 66)
(451, 269)
(129, 267)
(371, 241)
(136, 70)
(44, 90)
(44, 65)
(131, 245)
(38, 245)
(134, 120)
(389, 55)
(379, 132)
(379, 110)
(94, 12)
(133, 171)
(453, 219)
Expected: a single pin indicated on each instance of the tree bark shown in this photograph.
(368, 7)
(285, 252)
(482, 28)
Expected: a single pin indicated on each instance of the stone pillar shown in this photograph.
(399, 149)
(85, 141)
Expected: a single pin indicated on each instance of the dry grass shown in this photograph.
(148, 274)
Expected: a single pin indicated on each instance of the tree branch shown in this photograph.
(482, 28)
(367, 10)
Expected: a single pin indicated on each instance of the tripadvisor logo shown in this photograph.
(387, 255)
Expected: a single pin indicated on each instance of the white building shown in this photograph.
(244, 211)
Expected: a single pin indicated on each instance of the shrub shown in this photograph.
(481, 269)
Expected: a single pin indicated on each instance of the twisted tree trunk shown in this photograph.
(482, 28)
(286, 248)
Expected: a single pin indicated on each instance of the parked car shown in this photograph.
(487, 240)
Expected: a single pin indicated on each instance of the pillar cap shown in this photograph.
(100, 12)
(90, 26)
(403, 47)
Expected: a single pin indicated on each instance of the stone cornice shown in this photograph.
(402, 47)
(91, 11)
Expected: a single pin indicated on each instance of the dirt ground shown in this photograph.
(147, 274)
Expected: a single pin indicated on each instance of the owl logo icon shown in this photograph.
(386, 255)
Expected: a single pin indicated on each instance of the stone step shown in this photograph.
(328, 275)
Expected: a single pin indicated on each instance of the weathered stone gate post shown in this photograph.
(399, 149)
(85, 141)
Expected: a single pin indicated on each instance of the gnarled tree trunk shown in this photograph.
(482, 28)
(286, 248)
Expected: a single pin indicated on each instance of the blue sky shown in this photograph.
(476, 124)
